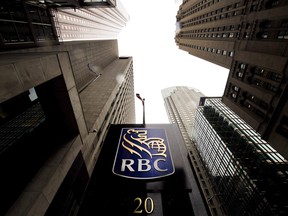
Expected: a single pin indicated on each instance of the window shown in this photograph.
(262, 35)
(275, 76)
(242, 66)
(258, 71)
(239, 74)
(283, 35)
(271, 87)
(236, 88)
(233, 95)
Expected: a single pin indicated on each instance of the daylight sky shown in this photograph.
(158, 63)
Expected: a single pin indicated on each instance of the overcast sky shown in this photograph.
(158, 63)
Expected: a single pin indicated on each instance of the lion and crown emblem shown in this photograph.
(137, 142)
(143, 153)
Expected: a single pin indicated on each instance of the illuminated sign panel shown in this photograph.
(143, 153)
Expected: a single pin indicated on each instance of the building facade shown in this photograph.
(90, 23)
(181, 103)
(250, 39)
(56, 105)
(26, 24)
(248, 175)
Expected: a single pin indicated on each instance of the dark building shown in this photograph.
(248, 175)
(56, 103)
(250, 39)
(34, 23)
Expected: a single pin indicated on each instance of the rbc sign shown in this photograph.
(143, 153)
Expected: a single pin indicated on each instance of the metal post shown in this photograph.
(143, 104)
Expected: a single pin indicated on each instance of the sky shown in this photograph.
(158, 63)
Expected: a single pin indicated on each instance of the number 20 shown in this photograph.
(139, 209)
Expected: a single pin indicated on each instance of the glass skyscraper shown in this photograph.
(248, 175)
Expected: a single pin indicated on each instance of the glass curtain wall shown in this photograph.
(250, 177)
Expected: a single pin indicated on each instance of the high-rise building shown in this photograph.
(87, 23)
(57, 100)
(56, 103)
(35, 23)
(248, 175)
(181, 103)
(250, 39)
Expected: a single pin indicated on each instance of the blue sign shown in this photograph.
(143, 153)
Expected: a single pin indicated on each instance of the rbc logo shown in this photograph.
(143, 153)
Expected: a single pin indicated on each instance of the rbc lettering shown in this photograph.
(141, 165)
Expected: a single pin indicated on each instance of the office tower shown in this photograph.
(56, 105)
(26, 24)
(248, 175)
(88, 23)
(250, 39)
(181, 103)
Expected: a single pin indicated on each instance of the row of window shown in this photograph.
(219, 29)
(75, 19)
(20, 32)
(210, 35)
(209, 49)
(282, 34)
(259, 35)
(211, 16)
(233, 31)
(243, 70)
(249, 101)
(268, 4)
(201, 5)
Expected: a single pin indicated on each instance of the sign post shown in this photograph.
(143, 104)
